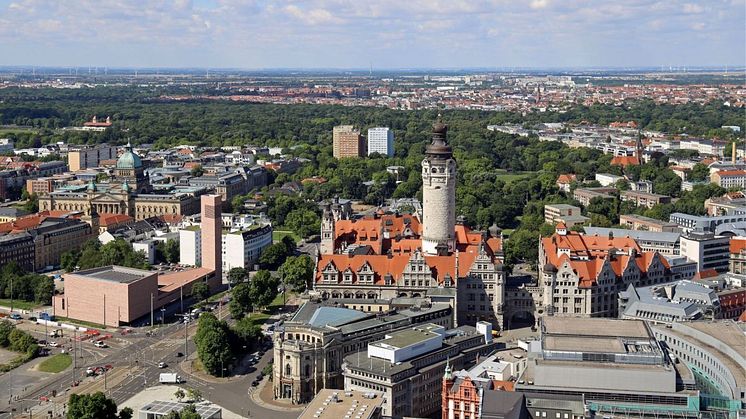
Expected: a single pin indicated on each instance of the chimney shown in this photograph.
(211, 226)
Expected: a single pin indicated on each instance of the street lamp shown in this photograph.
(163, 316)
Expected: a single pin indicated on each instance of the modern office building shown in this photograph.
(381, 141)
(190, 246)
(727, 225)
(708, 250)
(714, 353)
(82, 158)
(616, 366)
(408, 365)
(18, 248)
(347, 142)
(242, 248)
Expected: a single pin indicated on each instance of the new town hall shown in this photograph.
(386, 257)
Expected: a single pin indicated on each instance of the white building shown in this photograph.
(242, 248)
(381, 140)
(190, 246)
(607, 179)
(147, 247)
(239, 158)
(708, 250)
(6, 145)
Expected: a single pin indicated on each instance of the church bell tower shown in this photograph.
(438, 194)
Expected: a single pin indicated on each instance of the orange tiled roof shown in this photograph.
(589, 255)
(107, 219)
(566, 178)
(625, 161)
(737, 245)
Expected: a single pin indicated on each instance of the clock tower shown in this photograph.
(438, 194)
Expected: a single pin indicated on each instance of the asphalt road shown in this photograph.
(141, 358)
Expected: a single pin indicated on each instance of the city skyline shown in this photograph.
(382, 35)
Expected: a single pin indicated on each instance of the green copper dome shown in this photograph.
(129, 160)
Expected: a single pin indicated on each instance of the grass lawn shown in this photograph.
(56, 363)
(277, 235)
(17, 130)
(18, 304)
(508, 177)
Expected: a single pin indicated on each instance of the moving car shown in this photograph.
(162, 365)
(16, 316)
(54, 344)
(100, 344)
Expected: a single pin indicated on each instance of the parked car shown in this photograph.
(54, 344)
(16, 316)
(255, 383)
(162, 365)
(100, 344)
(179, 354)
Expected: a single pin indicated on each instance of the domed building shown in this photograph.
(129, 193)
(130, 170)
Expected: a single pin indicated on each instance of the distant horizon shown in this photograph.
(385, 34)
(83, 69)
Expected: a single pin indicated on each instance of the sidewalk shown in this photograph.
(262, 396)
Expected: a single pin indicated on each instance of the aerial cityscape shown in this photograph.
(363, 210)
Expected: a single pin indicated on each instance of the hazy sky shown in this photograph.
(384, 33)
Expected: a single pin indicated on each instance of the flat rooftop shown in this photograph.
(338, 404)
(594, 327)
(409, 337)
(114, 273)
(163, 407)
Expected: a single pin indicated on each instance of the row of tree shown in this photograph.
(17, 340)
(94, 254)
(18, 284)
(218, 345)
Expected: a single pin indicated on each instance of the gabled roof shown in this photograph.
(625, 161)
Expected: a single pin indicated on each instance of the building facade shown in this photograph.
(381, 141)
(242, 248)
(708, 250)
(309, 349)
(88, 157)
(347, 142)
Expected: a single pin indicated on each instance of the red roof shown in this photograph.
(737, 244)
(566, 178)
(106, 219)
(625, 161)
(589, 255)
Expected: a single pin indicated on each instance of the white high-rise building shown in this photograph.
(242, 248)
(438, 194)
(190, 246)
(381, 140)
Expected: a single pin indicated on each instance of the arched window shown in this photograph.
(288, 370)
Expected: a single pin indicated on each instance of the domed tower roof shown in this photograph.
(129, 160)
(439, 147)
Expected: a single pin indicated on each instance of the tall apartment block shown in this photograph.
(84, 158)
(381, 141)
(212, 254)
(347, 142)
